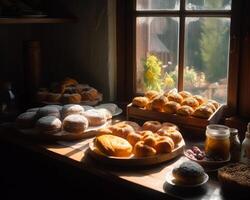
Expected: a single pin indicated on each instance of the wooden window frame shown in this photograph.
(126, 46)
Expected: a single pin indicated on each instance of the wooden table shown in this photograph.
(145, 179)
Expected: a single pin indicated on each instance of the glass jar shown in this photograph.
(217, 144)
(235, 146)
(245, 149)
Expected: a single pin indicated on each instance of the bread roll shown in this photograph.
(143, 150)
(133, 138)
(151, 94)
(112, 145)
(199, 98)
(151, 126)
(140, 101)
(185, 94)
(171, 107)
(174, 134)
(134, 125)
(175, 97)
(190, 101)
(121, 130)
(203, 112)
(185, 111)
(164, 145)
(158, 103)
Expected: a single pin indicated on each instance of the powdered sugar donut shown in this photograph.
(94, 117)
(75, 123)
(70, 109)
(48, 125)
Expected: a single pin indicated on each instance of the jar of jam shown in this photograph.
(217, 144)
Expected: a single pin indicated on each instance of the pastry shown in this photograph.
(151, 126)
(210, 105)
(48, 125)
(199, 98)
(71, 98)
(185, 94)
(53, 97)
(134, 125)
(169, 125)
(104, 131)
(158, 103)
(26, 120)
(171, 107)
(185, 111)
(112, 145)
(69, 82)
(145, 133)
(143, 150)
(48, 111)
(133, 138)
(95, 117)
(235, 178)
(203, 112)
(151, 94)
(189, 173)
(150, 140)
(75, 123)
(82, 87)
(70, 109)
(70, 90)
(121, 130)
(105, 112)
(164, 145)
(175, 97)
(190, 101)
(215, 103)
(90, 95)
(174, 134)
(140, 102)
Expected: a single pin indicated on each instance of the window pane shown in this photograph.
(206, 57)
(156, 53)
(158, 5)
(208, 4)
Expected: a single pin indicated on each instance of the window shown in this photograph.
(182, 44)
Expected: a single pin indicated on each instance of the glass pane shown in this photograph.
(156, 53)
(206, 57)
(158, 4)
(208, 4)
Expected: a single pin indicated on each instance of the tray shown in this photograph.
(63, 135)
(135, 161)
(186, 124)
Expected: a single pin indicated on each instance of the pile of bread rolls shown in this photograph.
(127, 139)
(71, 118)
(173, 102)
(68, 91)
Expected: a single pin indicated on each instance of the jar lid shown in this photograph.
(218, 131)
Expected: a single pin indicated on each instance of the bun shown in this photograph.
(190, 101)
(171, 107)
(215, 103)
(185, 94)
(150, 140)
(203, 112)
(121, 130)
(172, 96)
(26, 120)
(199, 98)
(169, 125)
(172, 133)
(133, 138)
(90, 95)
(104, 131)
(143, 150)
(48, 125)
(164, 145)
(71, 98)
(189, 173)
(140, 101)
(151, 126)
(75, 123)
(69, 82)
(158, 103)
(151, 94)
(94, 117)
(70, 109)
(185, 111)
(134, 125)
(112, 145)
(48, 111)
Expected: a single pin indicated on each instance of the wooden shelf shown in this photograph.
(44, 20)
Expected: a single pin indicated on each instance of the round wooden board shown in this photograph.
(63, 135)
(135, 161)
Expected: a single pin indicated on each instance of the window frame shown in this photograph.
(127, 14)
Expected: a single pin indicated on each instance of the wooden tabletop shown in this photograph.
(148, 179)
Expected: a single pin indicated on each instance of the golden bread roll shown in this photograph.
(169, 125)
(150, 140)
(203, 112)
(104, 131)
(134, 125)
(164, 145)
(215, 103)
(112, 145)
(151, 126)
(121, 130)
(171, 107)
(142, 150)
(185, 94)
(175, 135)
(211, 105)
(158, 103)
(175, 97)
(149, 106)
(199, 98)
(190, 101)
(140, 101)
(185, 110)
(71, 98)
(133, 138)
(151, 94)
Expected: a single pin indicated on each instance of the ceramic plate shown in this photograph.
(171, 180)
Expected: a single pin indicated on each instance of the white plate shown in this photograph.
(171, 180)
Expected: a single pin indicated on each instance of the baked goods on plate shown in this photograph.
(148, 147)
(187, 174)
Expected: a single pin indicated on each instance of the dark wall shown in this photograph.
(78, 50)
